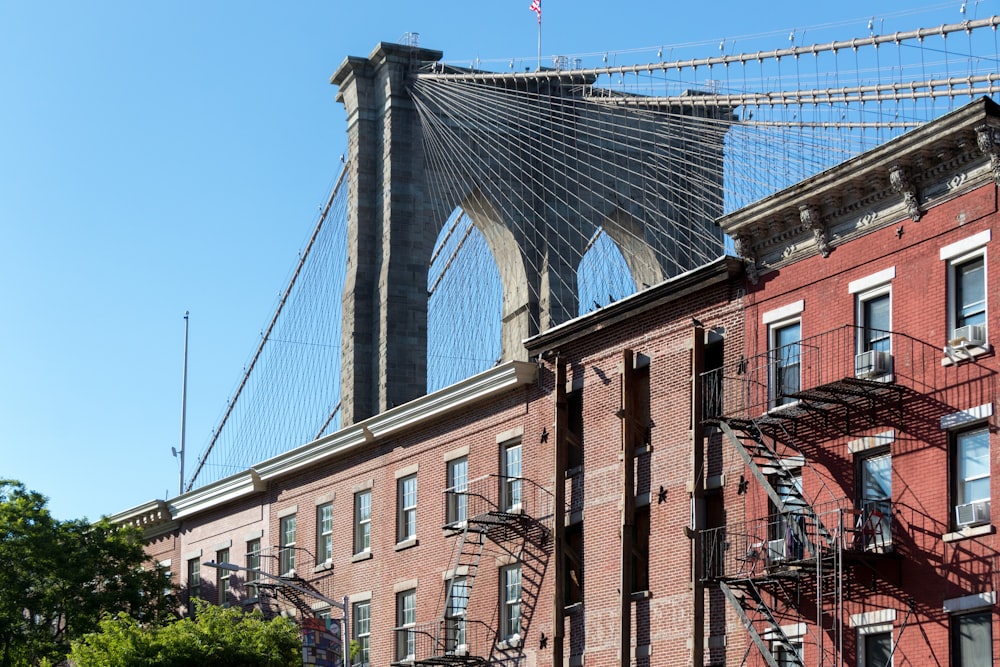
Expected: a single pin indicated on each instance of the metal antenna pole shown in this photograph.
(184, 390)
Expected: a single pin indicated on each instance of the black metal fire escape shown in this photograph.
(763, 574)
(491, 515)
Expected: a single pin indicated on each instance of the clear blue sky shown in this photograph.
(158, 157)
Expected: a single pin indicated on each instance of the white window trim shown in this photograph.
(964, 418)
(880, 279)
(966, 245)
(859, 445)
(789, 312)
(970, 602)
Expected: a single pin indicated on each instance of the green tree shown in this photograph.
(59, 578)
(215, 636)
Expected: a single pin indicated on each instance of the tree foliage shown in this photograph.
(215, 636)
(59, 578)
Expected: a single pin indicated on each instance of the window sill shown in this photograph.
(972, 531)
(406, 544)
(641, 595)
(364, 555)
(454, 527)
(965, 354)
(510, 643)
(323, 567)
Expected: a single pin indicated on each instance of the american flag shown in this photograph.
(536, 6)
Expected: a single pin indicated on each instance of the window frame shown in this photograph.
(362, 521)
(406, 508)
(223, 583)
(955, 317)
(511, 487)
(776, 384)
(324, 533)
(510, 605)
(954, 636)
(958, 491)
(406, 618)
(287, 528)
(253, 565)
(456, 615)
(361, 631)
(193, 581)
(457, 505)
(864, 342)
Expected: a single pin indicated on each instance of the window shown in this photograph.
(786, 529)
(406, 502)
(458, 482)
(971, 465)
(788, 655)
(194, 582)
(253, 565)
(874, 325)
(874, 498)
(406, 618)
(785, 354)
(324, 533)
(969, 303)
(972, 639)
(510, 597)
(362, 521)
(876, 649)
(166, 574)
(510, 479)
(966, 278)
(362, 631)
(222, 577)
(640, 550)
(458, 601)
(286, 533)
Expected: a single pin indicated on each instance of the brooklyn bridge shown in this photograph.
(476, 208)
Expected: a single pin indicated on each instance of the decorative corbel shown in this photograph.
(743, 245)
(988, 139)
(810, 216)
(901, 184)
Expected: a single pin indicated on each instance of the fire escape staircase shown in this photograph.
(455, 639)
(806, 532)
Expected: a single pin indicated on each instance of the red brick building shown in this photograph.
(437, 519)
(787, 466)
(861, 531)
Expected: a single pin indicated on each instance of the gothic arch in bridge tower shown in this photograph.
(516, 308)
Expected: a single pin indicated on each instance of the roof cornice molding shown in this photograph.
(154, 518)
(417, 412)
(898, 180)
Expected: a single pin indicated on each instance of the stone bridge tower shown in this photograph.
(537, 220)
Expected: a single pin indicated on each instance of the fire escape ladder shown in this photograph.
(451, 644)
(779, 482)
(830, 603)
(747, 599)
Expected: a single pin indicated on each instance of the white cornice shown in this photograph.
(392, 422)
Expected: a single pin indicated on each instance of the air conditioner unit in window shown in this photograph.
(970, 334)
(872, 364)
(972, 514)
(776, 551)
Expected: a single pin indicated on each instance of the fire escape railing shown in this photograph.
(760, 547)
(838, 359)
